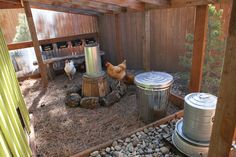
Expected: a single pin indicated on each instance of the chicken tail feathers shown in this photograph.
(124, 62)
(123, 65)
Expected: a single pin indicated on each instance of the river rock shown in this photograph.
(95, 153)
(118, 154)
(108, 150)
(110, 99)
(89, 102)
(114, 143)
(74, 89)
(73, 99)
(164, 150)
(117, 148)
(127, 140)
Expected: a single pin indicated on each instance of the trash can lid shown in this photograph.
(201, 100)
(151, 80)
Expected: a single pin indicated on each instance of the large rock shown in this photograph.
(74, 89)
(110, 99)
(122, 89)
(89, 102)
(72, 99)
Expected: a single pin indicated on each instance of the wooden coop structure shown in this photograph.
(225, 120)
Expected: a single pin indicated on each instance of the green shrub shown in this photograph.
(214, 53)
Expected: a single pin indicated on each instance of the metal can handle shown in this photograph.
(204, 96)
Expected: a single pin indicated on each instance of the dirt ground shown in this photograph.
(62, 131)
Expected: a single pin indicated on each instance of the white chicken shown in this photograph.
(70, 69)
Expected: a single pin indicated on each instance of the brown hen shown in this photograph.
(116, 72)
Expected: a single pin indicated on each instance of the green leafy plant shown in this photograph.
(214, 53)
(22, 30)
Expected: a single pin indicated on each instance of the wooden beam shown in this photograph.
(118, 44)
(6, 5)
(164, 4)
(81, 4)
(62, 8)
(21, 45)
(156, 2)
(68, 38)
(114, 8)
(191, 2)
(177, 100)
(132, 4)
(42, 67)
(198, 48)
(110, 6)
(65, 4)
(146, 41)
(97, 5)
(225, 116)
(12, 1)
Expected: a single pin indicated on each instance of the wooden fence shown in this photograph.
(168, 28)
(49, 24)
(13, 112)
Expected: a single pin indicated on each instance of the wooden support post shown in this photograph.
(225, 117)
(42, 67)
(119, 52)
(146, 41)
(198, 48)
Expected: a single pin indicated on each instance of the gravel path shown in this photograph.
(146, 143)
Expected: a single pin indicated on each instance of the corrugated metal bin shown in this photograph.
(93, 60)
(199, 111)
(152, 95)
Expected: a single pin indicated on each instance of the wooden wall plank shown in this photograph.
(168, 29)
(49, 24)
(119, 53)
(198, 48)
(42, 67)
(225, 116)
(146, 41)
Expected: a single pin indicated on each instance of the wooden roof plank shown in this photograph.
(95, 5)
(73, 5)
(106, 6)
(156, 2)
(4, 5)
(160, 4)
(63, 9)
(132, 4)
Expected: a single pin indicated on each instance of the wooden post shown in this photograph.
(225, 117)
(198, 48)
(42, 67)
(146, 41)
(119, 53)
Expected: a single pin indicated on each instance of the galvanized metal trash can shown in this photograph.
(199, 111)
(93, 60)
(152, 94)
